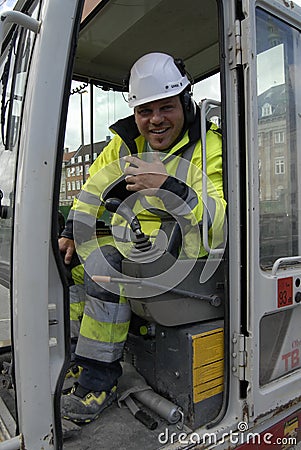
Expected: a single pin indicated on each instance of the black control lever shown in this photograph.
(142, 242)
(112, 204)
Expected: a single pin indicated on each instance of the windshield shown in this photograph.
(278, 56)
(107, 107)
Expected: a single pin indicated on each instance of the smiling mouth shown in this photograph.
(159, 132)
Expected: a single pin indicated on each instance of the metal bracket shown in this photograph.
(21, 19)
(239, 356)
(285, 261)
(18, 18)
(7, 425)
(206, 105)
(234, 45)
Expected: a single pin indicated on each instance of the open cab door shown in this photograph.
(35, 67)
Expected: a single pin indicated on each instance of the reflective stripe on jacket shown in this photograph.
(183, 163)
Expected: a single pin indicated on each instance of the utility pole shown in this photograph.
(81, 90)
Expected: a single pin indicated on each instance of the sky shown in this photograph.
(111, 106)
(7, 4)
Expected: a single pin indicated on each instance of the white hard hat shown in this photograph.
(153, 77)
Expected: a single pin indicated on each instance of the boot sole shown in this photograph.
(76, 418)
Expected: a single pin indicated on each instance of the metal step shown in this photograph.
(7, 423)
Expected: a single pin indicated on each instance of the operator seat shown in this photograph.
(175, 303)
(162, 287)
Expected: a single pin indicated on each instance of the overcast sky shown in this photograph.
(111, 106)
(7, 4)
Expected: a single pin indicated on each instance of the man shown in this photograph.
(143, 160)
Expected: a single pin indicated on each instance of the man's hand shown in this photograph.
(144, 175)
(67, 246)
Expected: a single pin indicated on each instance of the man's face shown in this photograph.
(160, 122)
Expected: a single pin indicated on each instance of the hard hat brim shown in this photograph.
(133, 103)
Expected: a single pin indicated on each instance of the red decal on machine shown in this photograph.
(285, 292)
(291, 359)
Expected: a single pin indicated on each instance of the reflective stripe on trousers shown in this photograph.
(77, 296)
(100, 317)
(104, 329)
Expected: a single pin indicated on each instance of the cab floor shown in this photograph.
(118, 429)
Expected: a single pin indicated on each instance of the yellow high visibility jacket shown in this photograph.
(180, 196)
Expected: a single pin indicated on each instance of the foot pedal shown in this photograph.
(70, 429)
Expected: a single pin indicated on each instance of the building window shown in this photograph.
(87, 157)
(279, 165)
(78, 186)
(266, 110)
(72, 160)
(77, 172)
(79, 159)
(279, 137)
(68, 186)
(68, 172)
(87, 167)
(73, 185)
(94, 156)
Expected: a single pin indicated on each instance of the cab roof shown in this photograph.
(115, 33)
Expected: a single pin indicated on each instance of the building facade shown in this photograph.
(75, 170)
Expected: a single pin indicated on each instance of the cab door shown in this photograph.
(271, 63)
(14, 69)
(36, 66)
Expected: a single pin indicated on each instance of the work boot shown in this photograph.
(84, 406)
(71, 377)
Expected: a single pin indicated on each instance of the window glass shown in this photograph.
(278, 75)
(108, 107)
(279, 354)
(14, 66)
